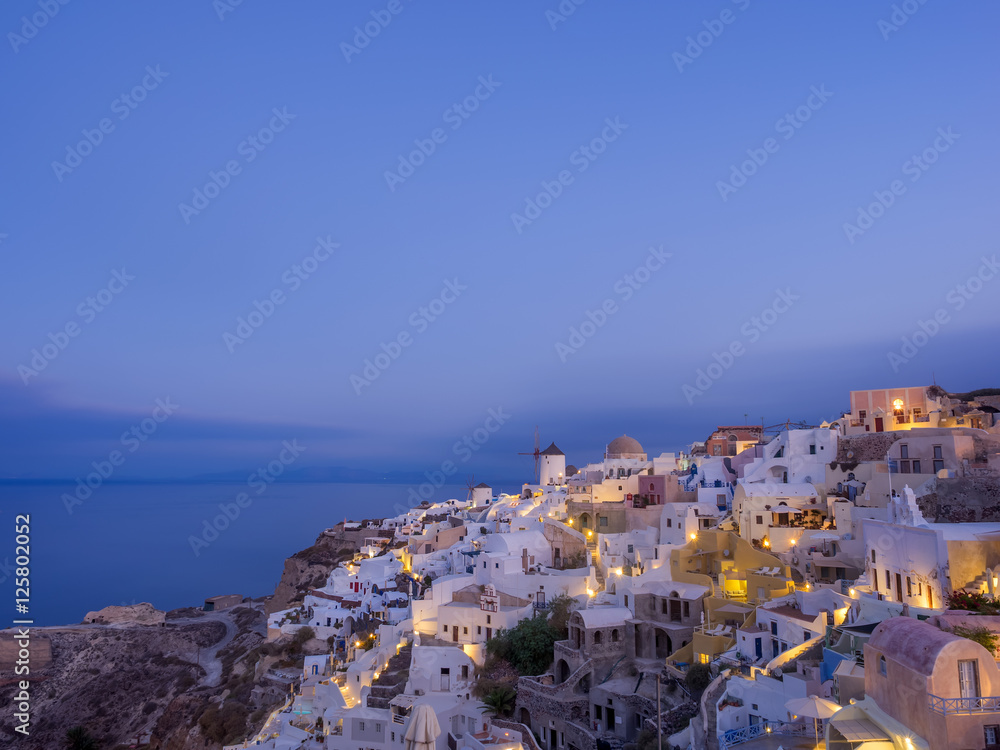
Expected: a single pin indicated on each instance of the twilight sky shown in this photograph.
(564, 224)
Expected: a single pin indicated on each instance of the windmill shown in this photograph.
(537, 452)
(470, 485)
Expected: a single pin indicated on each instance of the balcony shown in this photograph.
(955, 706)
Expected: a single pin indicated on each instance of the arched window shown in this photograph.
(614, 636)
(597, 638)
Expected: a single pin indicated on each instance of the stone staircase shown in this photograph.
(592, 549)
(391, 681)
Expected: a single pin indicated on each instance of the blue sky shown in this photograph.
(654, 180)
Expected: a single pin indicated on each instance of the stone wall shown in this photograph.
(962, 500)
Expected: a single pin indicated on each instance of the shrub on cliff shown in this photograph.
(225, 725)
(79, 738)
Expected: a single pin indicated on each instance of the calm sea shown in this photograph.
(131, 542)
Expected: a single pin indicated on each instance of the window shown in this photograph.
(670, 523)
(598, 712)
(631, 549)
(479, 629)
(937, 452)
(904, 451)
(862, 414)
(488, 620)
(614, 636)
(704, 658)
(602, 520)
(812, 450)
(881, 666)
(806, 635)
(465, 671)
(968, 678)
(444, 628)
(873, 555)
(774, 628)
(361, 726)
(916, 466)
(465, 630)
(392, 736)
(687, 609)
(992, 734)
(626, 600)
(378, 727)
(760, 519)
(904, 467)
(597, 638)
(909, 587)
(888, 581)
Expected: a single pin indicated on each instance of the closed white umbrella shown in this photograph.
(423, 729)
(814, 708)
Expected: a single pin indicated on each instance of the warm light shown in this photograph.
(357, 644)
(852, 592)
(693, 536)
(569, 521)
(589, 532)
(794, 542)
(897, 403)
(618, 571)
(767, 543)
(591, 592)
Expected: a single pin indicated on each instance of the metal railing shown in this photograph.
(738, 736)
(977, 705)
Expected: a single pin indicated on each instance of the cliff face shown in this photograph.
(115, 682)
(177, 680)
(311, 567)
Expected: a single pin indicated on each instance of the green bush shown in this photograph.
(698, 677)
(529, 646)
